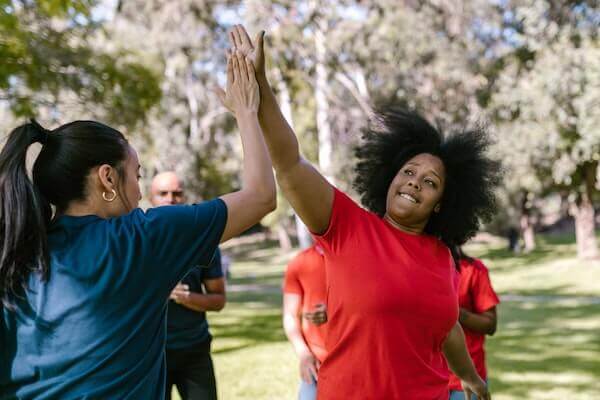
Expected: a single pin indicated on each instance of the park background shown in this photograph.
(529, 71)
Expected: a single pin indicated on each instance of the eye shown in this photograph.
(430, 183)
(409, 172)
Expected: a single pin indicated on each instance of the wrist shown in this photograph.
(245, 114)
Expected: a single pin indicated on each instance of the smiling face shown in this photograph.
(415, 193)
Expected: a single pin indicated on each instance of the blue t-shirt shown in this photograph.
(96, 328)
(186, 327)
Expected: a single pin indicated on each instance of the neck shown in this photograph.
(415, 229)
(80, 209)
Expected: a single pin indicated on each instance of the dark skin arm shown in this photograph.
(213, 300)
(484, 323)
(459, 361)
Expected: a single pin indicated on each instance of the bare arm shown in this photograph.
(484, 322)
(213, 300)
(257, 197)
(306, 189)
(459, 361)
(292, 312)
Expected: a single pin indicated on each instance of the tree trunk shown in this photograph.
(526, 224)
(304, 237)
(285, 243)
(321, 89)
(585, 218)
(528, 233)
(285, 101)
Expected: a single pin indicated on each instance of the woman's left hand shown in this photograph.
(478, 388)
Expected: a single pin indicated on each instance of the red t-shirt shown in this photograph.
(305, 276)
(391, 304)
(475, 294)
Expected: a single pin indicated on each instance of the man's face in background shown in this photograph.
(166, 190)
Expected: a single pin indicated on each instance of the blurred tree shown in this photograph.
(49, 58)
(189, 132)
(547, 98)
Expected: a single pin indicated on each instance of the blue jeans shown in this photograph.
(308, 391)
(460, 395)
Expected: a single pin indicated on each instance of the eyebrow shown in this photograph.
(417, 164)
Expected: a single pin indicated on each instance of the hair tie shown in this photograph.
(40, 134)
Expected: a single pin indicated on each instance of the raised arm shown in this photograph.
(306, 189)
(257, 197)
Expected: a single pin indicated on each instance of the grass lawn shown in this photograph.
(547, 345)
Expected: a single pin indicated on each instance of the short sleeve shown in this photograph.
(291, 281)
(346, 215)
(168, 241)
(484, 296)
(214, 269)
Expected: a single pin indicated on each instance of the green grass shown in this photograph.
(547, 346)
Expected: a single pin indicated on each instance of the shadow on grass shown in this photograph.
(251, 318)
(259, 250)
(539, 342)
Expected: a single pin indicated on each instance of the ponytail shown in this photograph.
(24, 216)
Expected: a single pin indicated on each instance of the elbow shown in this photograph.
(221, 303)
(269, 202)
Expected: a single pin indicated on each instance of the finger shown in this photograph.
(304, 374)
(232, 38)
(236, 37)
(250, 69)
(313, 371)
(258, 41)
(220, 94)
(243, 68)
(236, 68)
(260, 37)
(185, 287)
(468, 394)
(229, 71)
(246, 42)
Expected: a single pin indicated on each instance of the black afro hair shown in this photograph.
(396, 136)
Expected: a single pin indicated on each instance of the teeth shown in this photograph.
(408, 197)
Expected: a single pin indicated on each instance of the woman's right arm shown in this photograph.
(306, 189)
(257, 197)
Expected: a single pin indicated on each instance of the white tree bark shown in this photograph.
(321, 89)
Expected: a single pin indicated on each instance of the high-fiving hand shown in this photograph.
(240, 41)
(241, 94)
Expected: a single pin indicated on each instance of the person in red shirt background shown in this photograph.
(304, 314)
(477, 300)
(392, 303)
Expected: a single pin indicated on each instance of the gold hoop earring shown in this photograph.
(105, 197)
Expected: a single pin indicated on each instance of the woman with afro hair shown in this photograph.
(391, 278)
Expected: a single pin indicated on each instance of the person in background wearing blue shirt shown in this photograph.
(189, 365)
(84, 291)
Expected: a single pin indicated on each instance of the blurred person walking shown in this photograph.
(305, 313)
(477, 301)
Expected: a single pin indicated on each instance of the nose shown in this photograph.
(414, 184)
(170, 198)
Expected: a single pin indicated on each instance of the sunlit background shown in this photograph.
(527, 70)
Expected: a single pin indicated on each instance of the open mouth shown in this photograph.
(408, 197)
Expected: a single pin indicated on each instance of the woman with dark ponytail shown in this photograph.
(84, 289)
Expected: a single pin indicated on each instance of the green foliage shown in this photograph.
(47, 50)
